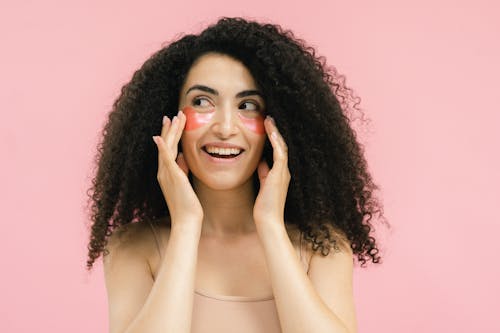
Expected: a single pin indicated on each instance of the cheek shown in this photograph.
(188, 146)
(256, 125)
(195, 119)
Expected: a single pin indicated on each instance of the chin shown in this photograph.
(225, 182)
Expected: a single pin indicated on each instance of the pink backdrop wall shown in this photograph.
(427, 74)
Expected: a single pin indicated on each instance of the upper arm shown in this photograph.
(332, 277)
(127, 275)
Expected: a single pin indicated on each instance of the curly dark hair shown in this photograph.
(330, 196)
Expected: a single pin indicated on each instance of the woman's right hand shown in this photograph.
(182, 201)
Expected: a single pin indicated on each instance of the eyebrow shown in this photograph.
(241, 94)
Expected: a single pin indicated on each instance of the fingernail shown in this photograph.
(174, 120)
(154, 139)
(164, 120)
(180, 112)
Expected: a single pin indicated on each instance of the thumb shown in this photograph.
(182, 163)
(262, 171)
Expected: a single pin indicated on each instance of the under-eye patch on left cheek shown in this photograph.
(196, 119)
(254, 124)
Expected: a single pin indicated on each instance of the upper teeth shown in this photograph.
(223, 151)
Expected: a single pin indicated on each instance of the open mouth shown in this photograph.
(225, 153)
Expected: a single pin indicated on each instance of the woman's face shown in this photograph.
(224, 134)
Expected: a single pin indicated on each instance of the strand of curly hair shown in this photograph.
(331, 196)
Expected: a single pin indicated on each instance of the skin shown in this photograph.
(196, 119)
(220, 206)
(225, 191)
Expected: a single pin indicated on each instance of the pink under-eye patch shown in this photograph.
(195, 119)
(254, 124)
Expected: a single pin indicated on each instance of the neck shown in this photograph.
(226, 213)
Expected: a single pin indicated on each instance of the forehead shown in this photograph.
(220, 72)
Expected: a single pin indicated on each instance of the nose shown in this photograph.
(225, 122)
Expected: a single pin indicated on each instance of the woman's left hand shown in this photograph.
(269, 205)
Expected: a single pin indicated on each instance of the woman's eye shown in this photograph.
(254, 108)
(253, 111)
(200, 99)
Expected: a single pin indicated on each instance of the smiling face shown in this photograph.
(224, 135)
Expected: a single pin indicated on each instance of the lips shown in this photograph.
(224, 153)
(222, 150)
(221, 158)
(222, 145)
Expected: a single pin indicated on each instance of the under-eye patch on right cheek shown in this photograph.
(195, 119)
(255, 124)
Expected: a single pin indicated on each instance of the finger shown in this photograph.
(165, 126)
(160, 140)
(280, 150)
(160, 146)
(279, 136)
(180, 128)
(170, 137)
(164, 152)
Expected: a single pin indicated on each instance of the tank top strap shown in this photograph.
(157, 238)
(303, 253)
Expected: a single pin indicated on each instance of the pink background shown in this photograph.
(427, 74)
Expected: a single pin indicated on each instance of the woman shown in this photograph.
(226, 221)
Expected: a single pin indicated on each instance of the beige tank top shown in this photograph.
(242, 314)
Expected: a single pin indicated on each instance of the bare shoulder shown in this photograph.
(127, 271)
(332, 277)
(342, 245)
(129, 236)
(293, 233)
(137, 238)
